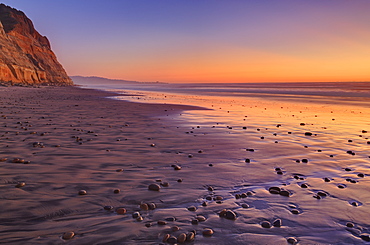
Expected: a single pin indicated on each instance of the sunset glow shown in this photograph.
(208, 41)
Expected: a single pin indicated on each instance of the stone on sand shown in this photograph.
(154, 187)
(68, 235)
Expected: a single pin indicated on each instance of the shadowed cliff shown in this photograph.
(25, 56)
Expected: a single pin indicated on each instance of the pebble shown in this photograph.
(148, 225)
(82, 192)
(116, 191)
(230, 215)
(68, 235)
(284, 193)
(108, 207)
(237, 196)
(294, 211)
(161, 222)
(277, 223)
(165, 237)
(192, 208)
(170, 219)
(365, 237)
(204, 204)
(266, 224)
(18, 160)
(3, 159)
(20, 184)
(247, 160)
(181, 238)
(190, 236)
(341, 186)
(326, 179)
(172, 240)
(207, 232)
(292, 240)
(194, 221)
(175, 228)
(350, 225)
(152, 206)
(135, 215)
(245, 205)
(305, 160)
(361, 175)
(304, 185)
(139, 219)
(274, 190)
(154, 187)
(176, 167)
(308, 134)
(119, 170)
(201, 218)
(144, 206)
(165, 184)
(121, 211)
(179, 180)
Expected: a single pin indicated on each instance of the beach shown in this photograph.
(284, 171)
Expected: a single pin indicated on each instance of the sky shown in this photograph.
(207, 40)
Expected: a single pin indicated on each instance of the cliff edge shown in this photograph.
(26, 57)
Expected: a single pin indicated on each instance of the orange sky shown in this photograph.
(208, 41)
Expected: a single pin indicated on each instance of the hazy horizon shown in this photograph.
(207, 41)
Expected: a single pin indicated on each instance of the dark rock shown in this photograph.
(154, 187)
(266, 224)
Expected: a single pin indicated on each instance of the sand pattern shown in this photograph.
(78, 167)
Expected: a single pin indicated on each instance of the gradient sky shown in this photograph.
(207, 40)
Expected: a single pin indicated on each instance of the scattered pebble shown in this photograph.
(277, 223)
(144, 206)
(266, 224)
(294, 211)
(190, 236)
(20, 184)
(121, 211)
(350, 225)
(116, 191)
(161, 222)
(274, 190)
(135, 215)
(68, 235)
(108, 208)
(365, 237)
(165, 237)
(207, 232)
(82, 192)
(292, 240)
(245, 205)
(172, 240)
(181, 238)
(154, 187)
(192, 208)
(201, 218)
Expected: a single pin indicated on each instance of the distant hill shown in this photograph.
(25, 56)
(81, 80)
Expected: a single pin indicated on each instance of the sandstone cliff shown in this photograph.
(25, 56)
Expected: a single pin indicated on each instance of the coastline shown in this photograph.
(82, 138)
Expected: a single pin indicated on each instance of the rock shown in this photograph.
(82, 192)
(181, 238)
(26, 57)
(154, 187)
(176, 167)
(201, 218)
(294, 211)
(152, 206)
(3, 159)
(135, 215)
(108, 208)
(170, 219)
(266, 224)
(304, 185)
(292, 240)
(210, 188)
(207, 232)
(175, 228)
(190, 236)
(361, 175)
(140, 218)
(308, 134)
(194, 222)
(165, 184)
(165, 237)
(284, 193)
(20, 184)
(245, 205)
(192, 208)
(116, 191)
(365, 237)
(350, 225)
(305, 160)
(230, 215)
(277, 223)
(172, 240)
(68, 235)
(148, 225)
(144, 206)
(121, 211)
(274, 190)
(204, 204)
(161, 222)
(119, 170)
(247, 160)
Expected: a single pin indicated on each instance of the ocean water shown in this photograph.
(311, 139)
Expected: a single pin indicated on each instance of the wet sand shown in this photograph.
(74, 139)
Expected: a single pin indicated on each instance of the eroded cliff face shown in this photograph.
(25, 56)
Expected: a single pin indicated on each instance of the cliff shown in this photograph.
(26, 57)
